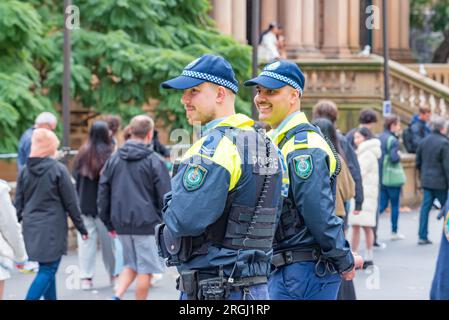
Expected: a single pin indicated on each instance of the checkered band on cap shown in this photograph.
(210, 78)
(281, 78)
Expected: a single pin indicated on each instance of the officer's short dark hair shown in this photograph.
(141, 125)
(326, 109)
(367, 116)
(390, 120)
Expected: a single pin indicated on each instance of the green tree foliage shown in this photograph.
(122, 51)
(20, 88)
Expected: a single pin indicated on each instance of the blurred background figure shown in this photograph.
(114, 123)
(390, 162)
(88, 164)
(44, 120)
(267, 50)
(12, 247)
(368, 153)
(44, 195)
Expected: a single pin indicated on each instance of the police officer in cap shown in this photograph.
(311, 254)
(220, 219)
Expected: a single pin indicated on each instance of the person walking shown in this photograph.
(311, 255)
(44, 196)
(226, 193)
(12, 247)
(368, 153)
(432, 162)
(130, 199)
(87, 166)
(391, 172)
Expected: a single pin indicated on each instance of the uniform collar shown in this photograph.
(237, 120)
(288, 123)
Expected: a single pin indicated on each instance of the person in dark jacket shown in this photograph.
(328, 109)
(88, 164)
(44, 196)
(392, 126)
(419, 127)
(130, 200)
(432, 161)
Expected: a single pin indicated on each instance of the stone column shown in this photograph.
(377, 32)
(222, 14)
(336, 28)
(292, 9)
(394, 26)
(354, 25)
(269, 13)
(239, 20)
(404, 44)
(309, 36)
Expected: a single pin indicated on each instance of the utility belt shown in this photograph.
(202, 286)
(323, 265)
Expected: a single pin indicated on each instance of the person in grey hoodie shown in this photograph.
(44, 196)
(130, 199)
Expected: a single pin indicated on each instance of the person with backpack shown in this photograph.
(391, 172)
(417, 130)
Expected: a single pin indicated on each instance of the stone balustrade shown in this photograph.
(435, 71)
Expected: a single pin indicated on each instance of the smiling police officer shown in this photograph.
(311, 253)
(220, 219)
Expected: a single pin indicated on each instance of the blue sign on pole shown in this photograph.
(386, 108)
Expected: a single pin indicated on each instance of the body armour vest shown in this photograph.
(248, 224)
(291, 220)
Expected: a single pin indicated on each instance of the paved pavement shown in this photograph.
(403, 270)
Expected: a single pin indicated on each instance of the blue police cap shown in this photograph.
(278, 74)
(208, 68)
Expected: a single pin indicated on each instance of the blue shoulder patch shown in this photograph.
(301, 137)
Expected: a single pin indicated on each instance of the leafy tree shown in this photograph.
(20, 89)
(120, 55)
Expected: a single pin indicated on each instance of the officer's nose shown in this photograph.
(185, 97)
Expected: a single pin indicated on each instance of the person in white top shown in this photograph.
(12, 247)
(267, 50)
(368, 154)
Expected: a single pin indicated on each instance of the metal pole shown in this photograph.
(255, 24)
(66, 80)
(387, 103)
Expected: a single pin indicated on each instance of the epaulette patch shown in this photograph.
(301, 137)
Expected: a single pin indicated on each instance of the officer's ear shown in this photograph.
(295, 95)
(221, 94)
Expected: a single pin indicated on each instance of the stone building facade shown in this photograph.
(322, 28)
